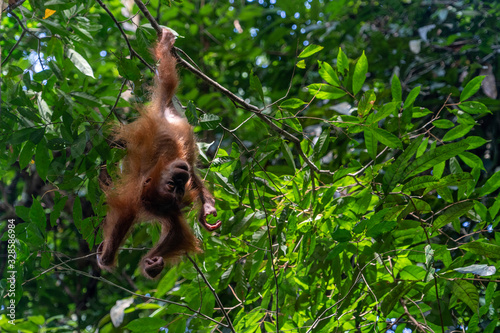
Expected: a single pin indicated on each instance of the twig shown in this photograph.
(113, 111)
(271, 255)
(148, 15)
(418, 325)
(56, 266)
(10, 8)
(217, 299)
(100, 278)
(23, 26)
(436, 289)
(133, 53)
(14, 47)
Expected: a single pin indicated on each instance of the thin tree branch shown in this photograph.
(100, 278)
(14, 47)
(10, 8)
(148, 15)
(217, 299)
(421, 327)
(271, 257)
(133, 53)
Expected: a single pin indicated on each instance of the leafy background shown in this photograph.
(352, 147)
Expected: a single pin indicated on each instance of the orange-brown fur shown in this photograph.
(161, 150)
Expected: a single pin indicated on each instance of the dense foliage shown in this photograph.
(352, 148)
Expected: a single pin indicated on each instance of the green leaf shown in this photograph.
(21, 135)
(30, 114)
(310, 50)
(23, 212)
(375, 230)
(422, 148)
(86, 99)
(192, 115)
(471, 88)
(473, 161)
(392, 298)
(243, 224)
(42, 159)
(371, 144)
(491, 185)
(438, 169)
(166, 283)
(458, 132)
(325, 91)
(42, 75)
(359, 76)
(411, 97)
(292, 103)
(287, 154)
(209, 121)
(456, 179)
(43, 108)
(397, 94)
(78, 146)
(435, 156)
(413, 272)
(474, 108)
(54, 27)
(26, 154)
(223, 181)
(256, 85)
(269, 327)
(146, 325)
(488, 296)
(56, 211)
(484, 249)
(13, 71)
(301, 64)
(451, 213)
(386, 138)
(57, 144)
(418, 183)
(59, 4)
(328, 74)
(46, 256)
(37, 135)
(467, 293)
(366, 103)
(82, 33)
(419, 112)
(80, 63)
(142, 37)
(321, 146)
(443, 123)
(414, 205)
(342, 62)
(128, 68)
(395, 172)
(475, 142)
(37, 215)
(341, 235)
(77, 213)
(385, 111)
(407, 115)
